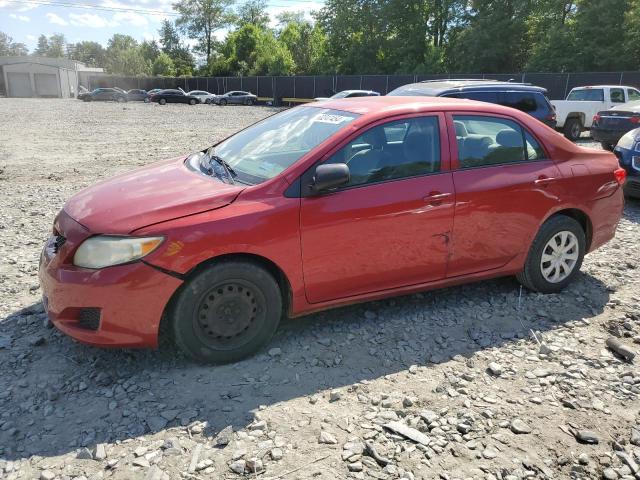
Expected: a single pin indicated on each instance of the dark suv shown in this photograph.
(522, 96)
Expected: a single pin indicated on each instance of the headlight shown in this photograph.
(628, 140)
(104, 251)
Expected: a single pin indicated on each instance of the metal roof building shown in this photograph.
(40, 76)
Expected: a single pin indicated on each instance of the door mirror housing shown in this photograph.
(330, 175)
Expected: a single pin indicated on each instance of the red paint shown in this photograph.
(352, 245)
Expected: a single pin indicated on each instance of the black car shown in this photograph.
(173, 96)
(103, 95)
(610, 125)
(522, 96)
(137, 95)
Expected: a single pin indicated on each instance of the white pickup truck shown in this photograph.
(575, 114)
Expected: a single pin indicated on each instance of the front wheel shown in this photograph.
(192, 101)
(226, 312)
(223, 102)
(573, 129)
(162, 101)
(555, 256)
(121, 99)
(249, 102)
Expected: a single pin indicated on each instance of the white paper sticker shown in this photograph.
(333, 119)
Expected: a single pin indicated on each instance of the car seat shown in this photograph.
(365, 162)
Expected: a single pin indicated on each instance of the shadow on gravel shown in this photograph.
(632, 209)
(57, 395)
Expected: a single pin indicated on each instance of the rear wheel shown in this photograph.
(226, 312)
(192, 101)
(223, 102)
(573, 128)
(121, 99)
(249, 102)
(555, 256)
(162, 101)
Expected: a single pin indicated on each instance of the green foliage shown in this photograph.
(163, 66)
(91, 54)
(10, 48)
(200, 19)
(253, 12)
(54, 46)
(125, 57)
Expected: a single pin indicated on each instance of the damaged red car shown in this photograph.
(322, 205)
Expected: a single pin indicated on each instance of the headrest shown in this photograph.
(375, 137)
(509, 138)
(461, 130)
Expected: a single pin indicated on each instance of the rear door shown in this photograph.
(390, 226)
(505, 184)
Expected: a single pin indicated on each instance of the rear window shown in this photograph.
(587, 95)
(489, 97)
(524, 101)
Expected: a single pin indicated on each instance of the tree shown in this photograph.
(91, 54)
(10, 48)
(150, 50)
(163, 66)
(307, 45)
(124, 57)
(169, 37)
(200, 19)
(253, 12)
(631, 30)
(42, 47)
(57, 46)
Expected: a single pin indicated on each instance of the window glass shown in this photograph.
(524, 101)
(399, 149)
(633, 94)
(490, 97)
(534, 150)
(265, 149)
(587, 95)
(489, 141)
(617, 95)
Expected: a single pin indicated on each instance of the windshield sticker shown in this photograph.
(332, 119)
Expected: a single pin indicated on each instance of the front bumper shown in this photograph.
(607, 136)
(125, 302)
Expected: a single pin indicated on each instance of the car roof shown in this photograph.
(371, 108)
(437, 87)
(633, 106)
(587, 87)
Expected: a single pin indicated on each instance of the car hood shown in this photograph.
(156, 193)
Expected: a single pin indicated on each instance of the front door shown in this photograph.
(505, 185)
(390, 225)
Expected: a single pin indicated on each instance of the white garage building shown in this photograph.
(40, 76)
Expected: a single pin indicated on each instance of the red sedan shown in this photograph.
(321, 205)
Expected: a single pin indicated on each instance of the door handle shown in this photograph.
(436, 198)
(543, 180)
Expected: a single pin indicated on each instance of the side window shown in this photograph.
(484, 141)
(524, 101)
(399, 149)
(633, 94)
(617, 95)
(490, 97)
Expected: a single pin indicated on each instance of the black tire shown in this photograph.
(162, 101)
(192, 101)
(121, 99)
(223, 102)
(573, 128)
(532, 276)
(86, 99)
(146, 100)
(207, 101)
(249, 102)
(606, 146)
(226, 312)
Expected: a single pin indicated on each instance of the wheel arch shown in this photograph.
(582, 218)
(269, 265)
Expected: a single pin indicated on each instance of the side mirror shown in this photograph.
(330, 175)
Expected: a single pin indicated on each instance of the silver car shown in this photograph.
(237, 97)
(350, 94)
(202, 95)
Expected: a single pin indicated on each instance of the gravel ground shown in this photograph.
(447, 384)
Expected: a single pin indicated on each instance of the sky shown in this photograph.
(78, 20)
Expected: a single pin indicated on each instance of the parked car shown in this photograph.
(350, 94)
(202, 95)
(173, 96)
(316, 207)
(628, 152)
(610, 125)
(153, 91)
(576, 113)
(235, 97)
(103, 95)
(521, 96)
(137, 95)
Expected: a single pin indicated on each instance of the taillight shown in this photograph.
(620, 174)
(596, 118)
(635, 119)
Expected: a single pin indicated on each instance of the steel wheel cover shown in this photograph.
(559, 256)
